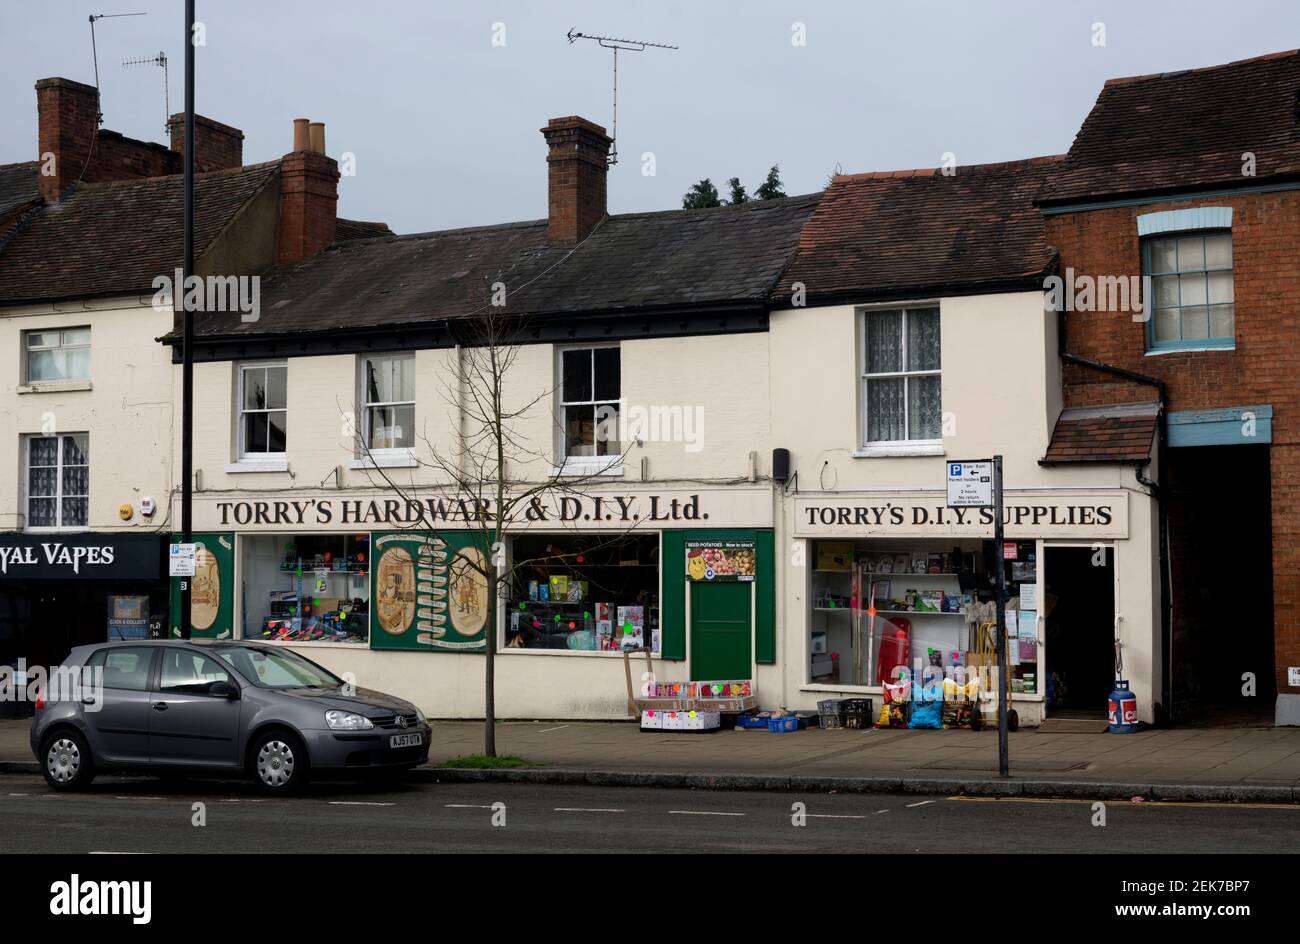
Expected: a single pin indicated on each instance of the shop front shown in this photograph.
(58, 591)
(897, 582)
(400, 595)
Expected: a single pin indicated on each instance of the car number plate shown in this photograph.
(406, 740)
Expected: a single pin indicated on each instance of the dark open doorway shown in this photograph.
(1220, 543)
(1079, 607)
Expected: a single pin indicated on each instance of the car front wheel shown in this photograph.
(279, 763)
(66, 762)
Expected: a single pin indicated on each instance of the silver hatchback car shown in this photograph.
(218, 708)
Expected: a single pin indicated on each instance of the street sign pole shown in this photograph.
(1001, 598)
(187, 323)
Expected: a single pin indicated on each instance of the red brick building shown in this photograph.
(1192, 181)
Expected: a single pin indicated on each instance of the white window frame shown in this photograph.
(61, 346)
(58, 495)
(584, 465)
(895, 447)
(388, 456)
(242, 455)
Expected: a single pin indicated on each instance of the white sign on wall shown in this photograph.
(180, 559)
(970, 484)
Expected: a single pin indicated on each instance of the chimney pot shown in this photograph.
(316, 136)
(301, 136)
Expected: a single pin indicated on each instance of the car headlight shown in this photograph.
(346, 721)
(419, 715)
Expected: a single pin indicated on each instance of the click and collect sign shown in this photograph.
(970, 484)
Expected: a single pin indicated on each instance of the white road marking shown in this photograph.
(700, 813)
(560, 728)
(467, 806)
(922, 803)
(358, 803)
(833, 816)
(878, 812)
(106, 852)
(20, 794)
(585, 809)
(138, 798)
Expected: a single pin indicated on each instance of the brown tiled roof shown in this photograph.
(360, 229)
(678, 259)
(1186, 130)
(901, 233)
(1122, 433)
(18, 187)
(114, 238)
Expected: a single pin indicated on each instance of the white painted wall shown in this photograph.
(127, 409)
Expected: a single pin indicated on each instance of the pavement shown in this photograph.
(140, 815)
(1241, 764)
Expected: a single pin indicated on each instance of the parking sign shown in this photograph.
(970, 484)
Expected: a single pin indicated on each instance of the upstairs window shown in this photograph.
(263, 412)
(899, 395)
(589, 402)
(388, 387)
(58, 481)
(1190, 301)
(57, 354)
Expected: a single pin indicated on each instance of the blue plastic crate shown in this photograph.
(783, 725)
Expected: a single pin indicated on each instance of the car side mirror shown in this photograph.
(223, 690)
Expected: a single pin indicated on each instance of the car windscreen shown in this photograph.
(278, 668)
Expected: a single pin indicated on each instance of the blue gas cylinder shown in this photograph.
(1123, 709)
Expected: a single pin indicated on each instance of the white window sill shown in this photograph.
(54, 386)
(1157, 352)
(70, 529)
(386, 459)
(257, 465)
(586, 469)
(571, 653)
(902, 449)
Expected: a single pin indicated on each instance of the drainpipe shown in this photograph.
(1157, 492)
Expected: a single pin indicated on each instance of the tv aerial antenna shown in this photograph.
(94, 52)
(161, 61)
(627, 45)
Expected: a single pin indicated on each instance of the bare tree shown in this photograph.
(478, 465)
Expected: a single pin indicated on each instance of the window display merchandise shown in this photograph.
(306, 588)
(584, 593)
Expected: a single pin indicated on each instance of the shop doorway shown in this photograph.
(722, 630)
(1221, 574)
(1079, 609)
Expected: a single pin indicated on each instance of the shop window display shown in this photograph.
(876, 606)
(584, 593)
(306, 588)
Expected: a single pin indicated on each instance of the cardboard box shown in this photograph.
(674, 720)
(822, 666)
(652, 719)
(834, 555)
(701, 721)
(819, 644)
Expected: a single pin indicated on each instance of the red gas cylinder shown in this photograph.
(895, 648)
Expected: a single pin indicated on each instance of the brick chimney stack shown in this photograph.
(68, 120)
(577, 175)
(309, 193)
(216, 146)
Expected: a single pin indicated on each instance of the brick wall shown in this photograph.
(309, 194)
(216, 146)
(577, 177)
(1261, 369)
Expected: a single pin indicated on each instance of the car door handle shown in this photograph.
(160, 706)
(88, 700)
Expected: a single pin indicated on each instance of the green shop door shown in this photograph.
(722, 630)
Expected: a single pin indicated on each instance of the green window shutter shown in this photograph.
(765, 598)
(672, 608)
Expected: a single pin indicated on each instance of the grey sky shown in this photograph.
(444, 124)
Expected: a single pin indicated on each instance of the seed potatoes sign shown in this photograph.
(714, 561)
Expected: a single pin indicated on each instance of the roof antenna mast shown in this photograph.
(94, 51)
(158, 60)
(630, 45)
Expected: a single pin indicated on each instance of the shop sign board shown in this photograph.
(1026, 514)
(429, 591)
(80, 556)
(593, 510)
(720, 561)
(970, 484)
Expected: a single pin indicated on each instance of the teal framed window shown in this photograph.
(1190, 299)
